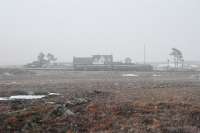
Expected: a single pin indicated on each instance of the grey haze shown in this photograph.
(70, 28)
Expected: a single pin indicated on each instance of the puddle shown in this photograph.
(129, 75)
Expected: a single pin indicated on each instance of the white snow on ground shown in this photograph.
(26, 97)
(7, 74)
(156, 75)
(22, 97)
(54, 94)
(129, 75)
(4, 98)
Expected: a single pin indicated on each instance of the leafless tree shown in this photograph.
(177, 57)
(51, 57)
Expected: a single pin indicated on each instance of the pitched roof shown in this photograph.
(107, 58)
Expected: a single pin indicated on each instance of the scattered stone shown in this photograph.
(17, 104)
(68, 112)
(76, 101)
(61, 110)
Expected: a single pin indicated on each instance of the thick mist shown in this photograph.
(86, 27)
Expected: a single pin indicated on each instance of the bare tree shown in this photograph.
(51, 57)
(41, 58)
(177, 57)
(128, 60)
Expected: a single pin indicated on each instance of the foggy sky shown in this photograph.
(70, 28)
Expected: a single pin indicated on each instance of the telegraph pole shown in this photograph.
(144, 53)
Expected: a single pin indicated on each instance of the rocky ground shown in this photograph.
(100, 102)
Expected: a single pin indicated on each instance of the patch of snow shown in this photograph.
(195, 76)
(50, 102)
(54, 94)
(4, 98)
(7, 74)
(8, 83)
(156, 75)
(194, 66)
(129, 75)
(165, 65)
(26, 97)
